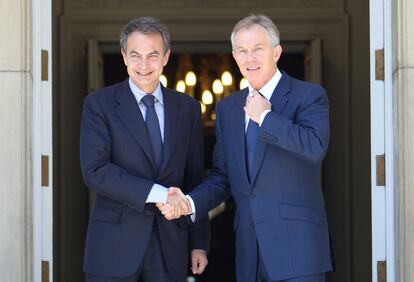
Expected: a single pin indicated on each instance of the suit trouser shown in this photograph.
(262, 275)
(152, 269)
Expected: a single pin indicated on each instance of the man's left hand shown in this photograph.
(199, 261)
(256, 104)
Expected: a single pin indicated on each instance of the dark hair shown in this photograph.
(145, 25)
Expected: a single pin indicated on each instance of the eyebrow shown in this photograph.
(133, 52)
(151, 53)
(257, 45)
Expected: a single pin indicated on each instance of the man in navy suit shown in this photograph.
(271, 140)
(137, 139)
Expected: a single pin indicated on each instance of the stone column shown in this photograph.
(403, 81)
(15, 141)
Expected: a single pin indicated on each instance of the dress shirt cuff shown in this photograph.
(193, 212)
(158, 194)
(262, 116)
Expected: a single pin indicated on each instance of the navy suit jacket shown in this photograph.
(117, 163)
(281, 209)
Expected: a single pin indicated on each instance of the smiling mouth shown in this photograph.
(144, 73)
(253, 69)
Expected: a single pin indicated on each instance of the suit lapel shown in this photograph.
(238, 128)
(130, 114)
(172, 123)
(278, 101)
(279, 98)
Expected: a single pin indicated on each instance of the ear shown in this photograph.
(124, 57)
(277, 52)
(166, 57)
(235, 58)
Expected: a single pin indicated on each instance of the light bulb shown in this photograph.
(226, 78)
(244, 83)
(203, 108)
(163, 80)
(217, 87)
(180, 87)
(207, 97)
(190, 78)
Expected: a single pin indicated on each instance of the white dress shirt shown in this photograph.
(158, 193)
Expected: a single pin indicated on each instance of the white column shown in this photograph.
(403, 78)
(15, 132)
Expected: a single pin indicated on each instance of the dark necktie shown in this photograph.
(153, 126)
(251, 138)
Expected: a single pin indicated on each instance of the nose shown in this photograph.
(143, 63)
(250, 56)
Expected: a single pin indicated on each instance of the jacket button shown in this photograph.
(148, 212)
(252, 196)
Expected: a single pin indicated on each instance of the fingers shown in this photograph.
(199, 261)
(167, 210)
(173, 190)
(194, 266)
(256, 104)
(249, 98)
(177, 204)
(181, 199)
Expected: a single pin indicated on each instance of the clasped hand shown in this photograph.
(176, 206)
(256, 104)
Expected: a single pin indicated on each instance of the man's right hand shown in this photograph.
(177, 204)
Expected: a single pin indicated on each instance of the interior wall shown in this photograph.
(360, 141)
(342, 26)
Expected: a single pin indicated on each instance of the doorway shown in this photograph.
(207, 67)
(71, 196)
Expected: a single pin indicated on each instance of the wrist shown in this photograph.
(262, 116)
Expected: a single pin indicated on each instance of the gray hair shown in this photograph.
(145, 25)
(261, 20)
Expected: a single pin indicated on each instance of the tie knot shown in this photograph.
(255, 92)
(148, 101)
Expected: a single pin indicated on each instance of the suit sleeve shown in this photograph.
(199, 233)
(215, 188)
(307, 134)
(99, 172)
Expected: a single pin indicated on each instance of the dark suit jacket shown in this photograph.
(282, 209)
(117, 163)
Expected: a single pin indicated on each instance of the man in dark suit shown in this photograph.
(271, 140)
(137, 139)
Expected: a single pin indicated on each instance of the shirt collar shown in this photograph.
(268, 89)
(139, 94)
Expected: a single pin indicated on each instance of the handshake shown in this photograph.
(176, 206)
